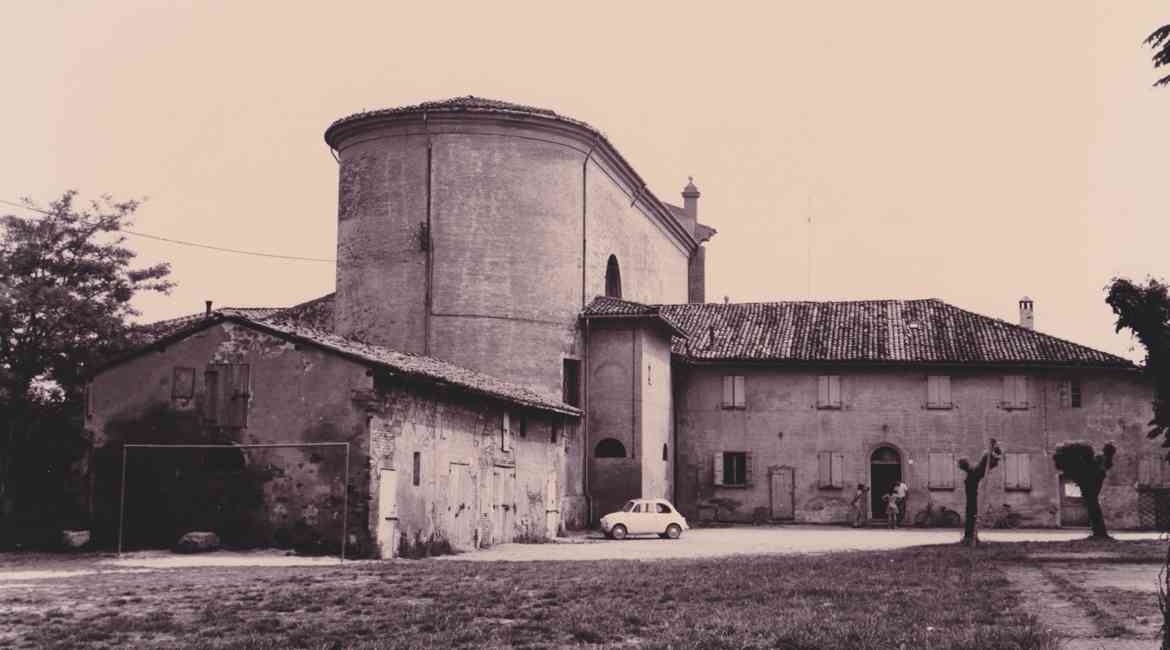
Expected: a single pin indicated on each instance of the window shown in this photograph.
(554, 431)
(733, 387)
(1151, 472)
(1015, 392)
(1070, 393)
(613, 278)
(938, 392)
(417, 476)
(571, 382)
(665, 455)
(609, 448)
(183, 383)
(663, 509)
(211, 397)
(942, 471)
(505, 431)
(523, 427)
(733, 468)
(831, 469)
(829, 392)
(1016, 472)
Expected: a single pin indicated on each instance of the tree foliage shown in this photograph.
(1081, 464)
(66, 285)
(1144, 310)
(1160, 41)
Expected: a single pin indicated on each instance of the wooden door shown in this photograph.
(460, 506)
(1072, 505)
(503, 504)
(782, 484)
(386, 534)
(552, 506)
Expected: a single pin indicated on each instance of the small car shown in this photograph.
(643, 517)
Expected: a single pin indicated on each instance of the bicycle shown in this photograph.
(942, 517)
(1003, 518)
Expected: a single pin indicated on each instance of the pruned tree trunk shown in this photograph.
(1092, 497)
(970, 535)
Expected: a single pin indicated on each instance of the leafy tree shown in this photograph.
(973, 477)
(1144, 310)
(1160, 41)
(1082, 465)
(66, 283)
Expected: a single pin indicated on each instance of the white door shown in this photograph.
(552, 506)
(460, 506)
(387, 513)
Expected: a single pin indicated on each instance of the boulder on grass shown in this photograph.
(197, 542)
(73, 539)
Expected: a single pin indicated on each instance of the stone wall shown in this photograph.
(782, 425)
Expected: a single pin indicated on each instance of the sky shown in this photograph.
(971, 152)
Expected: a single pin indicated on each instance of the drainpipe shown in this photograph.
(584, 211)
(585, 425)
(428, 245)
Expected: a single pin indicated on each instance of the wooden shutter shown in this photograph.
(834, 391)
(237, 382)
(942, 389)
(747, 468)
(728, 390)
(942, 471)
(211, 395)
(1065, 393)
(829, 391)
(1017, 472)
(718, 465)
(738, 387)
(823, 391)
(837, 470)
(932, 399)
(824, 469)
(505, 431)
(1015, 391)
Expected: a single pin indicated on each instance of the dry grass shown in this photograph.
(917, 598)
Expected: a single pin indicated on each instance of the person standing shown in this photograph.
(891, 510)
(860, 503)
(900, 492)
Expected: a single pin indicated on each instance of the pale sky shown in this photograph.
(971, 152)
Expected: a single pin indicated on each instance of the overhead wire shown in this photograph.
(188, 243)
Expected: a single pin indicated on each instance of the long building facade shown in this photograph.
(519, 342)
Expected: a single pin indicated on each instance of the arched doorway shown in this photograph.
(885, 469)
(613, 278)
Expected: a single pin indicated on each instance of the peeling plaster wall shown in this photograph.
(297, 395)
(888, 407)
(476, 484)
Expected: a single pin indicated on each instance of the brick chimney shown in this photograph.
(690, 196)
(697, 265)
(1026, 313)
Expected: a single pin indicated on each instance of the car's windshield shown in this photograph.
(628, 507)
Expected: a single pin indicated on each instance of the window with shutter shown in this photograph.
(211, 396)
(183, 383)
(747, 469)
(505, 431)
(938, 392)
(830, 469)
(237, 382)
(1074, 393)
(1016, 472)
(733, 392)
(942, 471)
(718, 468)
(735, 469)
(829, 392)
(1015, 392)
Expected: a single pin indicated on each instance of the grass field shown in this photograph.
(932, 597)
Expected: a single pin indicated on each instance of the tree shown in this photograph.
(974, 476)
(1160, 41)
(66, 286)
(1078, 462)
(1144, 310)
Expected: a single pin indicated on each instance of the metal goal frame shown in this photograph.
(273, 445)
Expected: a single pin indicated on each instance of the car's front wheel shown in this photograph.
(673, 531)
(618, 532)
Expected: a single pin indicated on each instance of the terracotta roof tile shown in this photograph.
(885, 331)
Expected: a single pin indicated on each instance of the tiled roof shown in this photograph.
(882, 331)
(468, 103)
(426, 369)
(418, 367)
(143, 334)
(702, 232)
(605, 307)
(316, 313)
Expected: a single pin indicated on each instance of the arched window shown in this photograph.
(613, 278)
(609, 448)
(665, 454)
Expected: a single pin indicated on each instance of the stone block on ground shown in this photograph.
(197, 542)
(74, 538)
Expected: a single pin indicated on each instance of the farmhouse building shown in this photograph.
(519, 342)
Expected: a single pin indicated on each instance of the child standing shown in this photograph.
(859, 504)
(891, 500)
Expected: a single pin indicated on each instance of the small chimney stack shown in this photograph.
(1027, 318)
(207, 309)
(690, 196)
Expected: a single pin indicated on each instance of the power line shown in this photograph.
(188, 243)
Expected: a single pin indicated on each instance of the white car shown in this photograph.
(644, 517)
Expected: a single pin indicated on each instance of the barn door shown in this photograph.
(782, 483)
(386, 534)
(503, 504)
(460, 506)
(1072, 505)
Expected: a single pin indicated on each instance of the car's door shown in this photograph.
(640, 518)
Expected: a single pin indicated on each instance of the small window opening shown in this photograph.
(664, 452)
(609, 448)
(613, 278)
(417, 467)
(571, 382)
